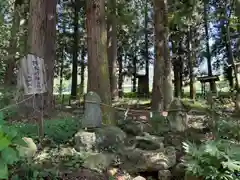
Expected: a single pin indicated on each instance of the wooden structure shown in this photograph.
(142, 85)
(206, 79)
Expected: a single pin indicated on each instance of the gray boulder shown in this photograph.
(178, 171)
(147, 142)
(102, 139)
(135, 128)
(139, 178)
(164, 175)
(99, 162)
(110, 138)
(85, 141)
(138, 160)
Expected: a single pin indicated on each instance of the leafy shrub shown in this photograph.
(7, 96)
(60, 131)
(160, 124)
(30, 172)
(228, 129)
(9, 142)
(213, 160)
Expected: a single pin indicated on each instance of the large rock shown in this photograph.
(178, 171)
(164, 175)
(139, 178)
(85, 141)
(138, 160)
(147, 142)
(99, 162)
(135, 128)
(110, 138)
(102, 139)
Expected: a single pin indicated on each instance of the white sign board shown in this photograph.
(31, 75)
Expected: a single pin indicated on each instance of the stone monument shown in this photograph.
(92, 112)
(177, 116)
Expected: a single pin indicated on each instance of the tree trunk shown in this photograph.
(98, 68)
(209, 63)
(83, 54)
(41, 42)
(229, 49)
(162, 90)
(134, 80)
(177, 88)
(237, 9)
(120, 76)
(167, 86)
(24, 28)
(177, 76)
(75, 53)
(36, 45)
(190, 64)
(179, 67)
(62, 63)
(112, 47)
(9, 78)
(50, 52)
(146, 86)
(61, 75)
(229, 5)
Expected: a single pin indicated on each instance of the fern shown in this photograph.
(216, 159)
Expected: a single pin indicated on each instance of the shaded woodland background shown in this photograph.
(139, 56)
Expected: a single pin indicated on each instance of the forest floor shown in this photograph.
(69, 153)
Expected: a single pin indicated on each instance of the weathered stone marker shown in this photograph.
(177, 116)
(92, 112)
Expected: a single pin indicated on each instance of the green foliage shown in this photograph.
(216, 159)
(160, 124)
(30, 172)
(228, 129)
(7, 96)
(9, 141)
(130, 95)
(60, 131)
(196, 105)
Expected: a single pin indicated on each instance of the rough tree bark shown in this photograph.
(146, 53)
(36, 46)
(41, 42)
(61, 61)
(112, 47)
(230, 70)
(98, 68)
(50, 52)
(176, 65)
(190, 64)
(83, 54)
(162, 80)
(120, 75)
